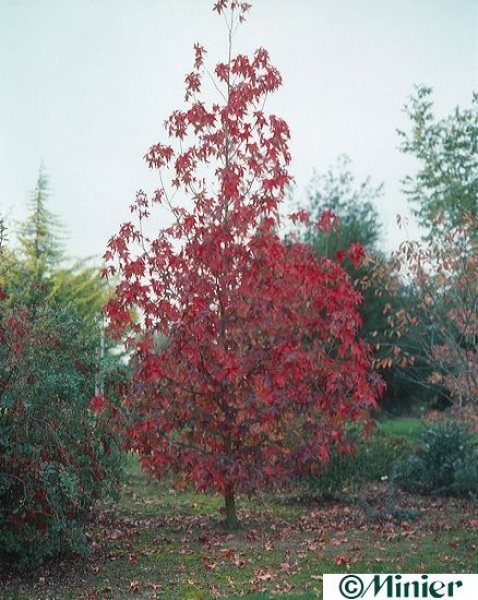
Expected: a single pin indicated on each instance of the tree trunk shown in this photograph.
(231, 513)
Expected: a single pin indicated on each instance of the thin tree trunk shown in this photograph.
(232, 522)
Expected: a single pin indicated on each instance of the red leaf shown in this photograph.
(240, 340)
(98, 404)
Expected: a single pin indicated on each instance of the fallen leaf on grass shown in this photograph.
(266, 577)
(282, 587)
(285, 566)
(262, 575)
(155, 586)
(239, 562)
(252, 535)
(111, 534)
(342, 560)
(339, 542)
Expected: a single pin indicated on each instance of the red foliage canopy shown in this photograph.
(248, 360)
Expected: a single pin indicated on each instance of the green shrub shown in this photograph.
(445, 463)
(373, 459)
(57, 454)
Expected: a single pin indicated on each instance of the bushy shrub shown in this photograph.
(445, 463)
(58, 454)
(371, 459)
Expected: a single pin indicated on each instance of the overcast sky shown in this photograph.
(86, 84)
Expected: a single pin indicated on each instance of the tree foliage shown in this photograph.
(37, 272)
(57, 455)
(433, 327)
(39, 235)
(358, 222)
(443, 326)
(262, 365)
(353, 203)
(445, 186)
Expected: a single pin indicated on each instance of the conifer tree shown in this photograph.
(39, 235)
(39, 272)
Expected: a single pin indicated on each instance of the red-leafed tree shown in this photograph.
(248, 360)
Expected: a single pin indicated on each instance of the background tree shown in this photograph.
(354, 203)
(263, 365)
(2, 234)
(40, 247)
(39, 235)
(358, 223)
(58, 450)
(443, 325)
(37, 272)
(57, 455)
(442, 275)
(445, 186)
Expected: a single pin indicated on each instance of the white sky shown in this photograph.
(86, 84)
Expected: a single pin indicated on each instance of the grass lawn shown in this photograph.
(161, 543)
(409, 428)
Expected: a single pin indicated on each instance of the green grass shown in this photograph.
(159, 542)
(266, 596)
(408, 428)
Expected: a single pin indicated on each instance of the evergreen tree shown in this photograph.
(38, 272)
(2, 233)
(39, 241)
